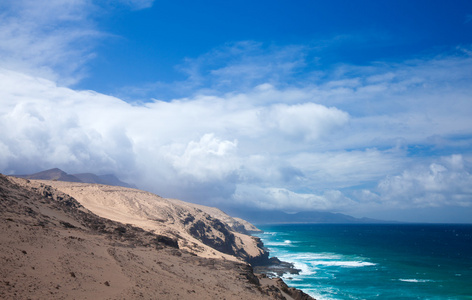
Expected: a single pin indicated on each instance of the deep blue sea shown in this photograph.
(371, 261)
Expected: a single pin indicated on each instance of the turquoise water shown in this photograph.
(376, 261)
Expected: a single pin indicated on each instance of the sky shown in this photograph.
(357, 107)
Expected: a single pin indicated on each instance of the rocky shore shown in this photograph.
(82, 241)
(276, 268)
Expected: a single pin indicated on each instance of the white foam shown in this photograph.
(308, 256)
(276, 244)
(305, 268)
(287, 242)
(346, 264)
(415, 280)
(306, 261)
(322, 294)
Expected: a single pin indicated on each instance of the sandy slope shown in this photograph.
(170, 217)
(53, 248)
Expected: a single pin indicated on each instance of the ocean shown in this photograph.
(375, 261)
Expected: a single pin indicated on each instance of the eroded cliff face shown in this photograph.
(193, 229)
(219, 236)
(52, 247)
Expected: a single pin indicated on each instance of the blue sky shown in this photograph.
(359, 107)
(153, 44)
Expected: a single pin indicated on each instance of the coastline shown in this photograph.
(363, 261)
(270, 272)
(54, 247)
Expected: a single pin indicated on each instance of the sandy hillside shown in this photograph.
(51, 247)
(205, 231)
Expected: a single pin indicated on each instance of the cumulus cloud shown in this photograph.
(445, 182)
(239, 148)
(205, 160)
(274, 198)
(291, 148)
(245, 126)
(202, 141)
(307, 121)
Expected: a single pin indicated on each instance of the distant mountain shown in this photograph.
(278, 217)
(59, 175)
(52, 174)
(108, 179)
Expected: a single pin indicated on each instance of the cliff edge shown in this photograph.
(54, 247)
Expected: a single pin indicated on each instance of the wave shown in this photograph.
(415, 280)
(278, 244)
(284, 243)
(313, 256)
(271, 233)
(347, 264)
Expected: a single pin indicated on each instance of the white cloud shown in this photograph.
(343, 169)
(308, 121)
(205, 160)
(205, 140)
(286, 200)
(446, 182)
(276, 147)
(232, 68)
(51, 39)
(247, 137)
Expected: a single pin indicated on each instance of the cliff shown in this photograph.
(54, 247)
(194, 229)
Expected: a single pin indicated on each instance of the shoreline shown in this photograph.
(93, 253)
(273, 270)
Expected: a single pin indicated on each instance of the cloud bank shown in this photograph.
(250, 126)
(269, 147)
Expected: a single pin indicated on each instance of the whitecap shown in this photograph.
(265, 233)
(305, 268)
(308, 256)
(347, 264)
(322, 259)
(275, 244)
(415, 280)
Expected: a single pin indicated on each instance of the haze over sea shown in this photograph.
(376, 261)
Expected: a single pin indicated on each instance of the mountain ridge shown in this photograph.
(253, 216)
(280, 217)
(60, 175)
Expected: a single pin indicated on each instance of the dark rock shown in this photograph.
(276, 268)
(160, 239)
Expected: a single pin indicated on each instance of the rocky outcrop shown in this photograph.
(235, 224)
(219, 236)
(274, 267)
(293, 292)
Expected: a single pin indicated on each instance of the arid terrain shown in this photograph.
(63, 240)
